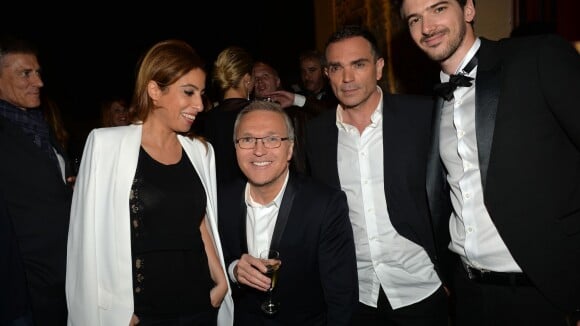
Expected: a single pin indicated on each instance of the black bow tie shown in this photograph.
(445, 90)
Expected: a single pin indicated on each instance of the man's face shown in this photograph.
(266, 80)
(264, 167)
(353, 71)
(438, 27)
(312, 75)
(20, 80)
(120, 114)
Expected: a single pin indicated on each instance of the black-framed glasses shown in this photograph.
(268, 142)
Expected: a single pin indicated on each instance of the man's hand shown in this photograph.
(284, 98)
(249, 271)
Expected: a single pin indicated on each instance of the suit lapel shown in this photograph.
(387, 106)
(487, 96)
(244, 220)
(435, 173)
(284, 212)
(329, 145)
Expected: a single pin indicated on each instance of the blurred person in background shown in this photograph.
(35, 196)
(114, 112)
(232, 74)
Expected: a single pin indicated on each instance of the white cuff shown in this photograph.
(231, 270)
(299, 100)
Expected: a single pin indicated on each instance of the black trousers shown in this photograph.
(479, 304)
(432, 311)
(208, 318)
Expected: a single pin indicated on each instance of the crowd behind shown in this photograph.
(452, 209)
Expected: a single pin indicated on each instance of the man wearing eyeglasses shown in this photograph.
(305, 221)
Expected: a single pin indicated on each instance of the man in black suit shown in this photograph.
(34, 197)
(299, 108)
(314, 83)
(506, 145)
(374, 147)
(306, 221)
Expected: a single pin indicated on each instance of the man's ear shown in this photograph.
(290, 152)
(380, 65)
(469, 11)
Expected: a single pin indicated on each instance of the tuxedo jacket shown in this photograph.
(527, 120)
(317, 282)
(99, 277)
(34, 218)
(406, 132)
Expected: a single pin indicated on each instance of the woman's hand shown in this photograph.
(217, 294)
(134, 320)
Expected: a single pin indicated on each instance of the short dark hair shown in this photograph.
(312, 54)
(398, 4)
(349, 31)
(13, 44)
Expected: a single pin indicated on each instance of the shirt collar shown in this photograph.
(277, 202)
(445, 77)
(375, 117)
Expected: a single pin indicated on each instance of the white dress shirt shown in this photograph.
(473, 234)
(260, 223)
(384, 258)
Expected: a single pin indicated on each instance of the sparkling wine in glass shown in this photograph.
(272, 261)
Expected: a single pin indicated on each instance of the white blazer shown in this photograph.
(99, 282)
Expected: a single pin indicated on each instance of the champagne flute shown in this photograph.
(271, 259)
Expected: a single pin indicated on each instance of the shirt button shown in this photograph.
(467, 195)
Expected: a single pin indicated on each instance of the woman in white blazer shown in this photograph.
(143, 244)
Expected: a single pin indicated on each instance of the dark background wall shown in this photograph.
(89, 52)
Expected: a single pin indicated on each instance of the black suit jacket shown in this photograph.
(528, 138)
(406, 132)
(34, 215)
(317, 282)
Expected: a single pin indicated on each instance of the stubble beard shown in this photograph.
(450, 48)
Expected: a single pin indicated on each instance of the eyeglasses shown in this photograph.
(268, 142)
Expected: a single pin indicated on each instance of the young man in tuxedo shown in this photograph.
(506, 145)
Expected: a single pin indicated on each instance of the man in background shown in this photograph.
(314, 83)
(34, 196)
